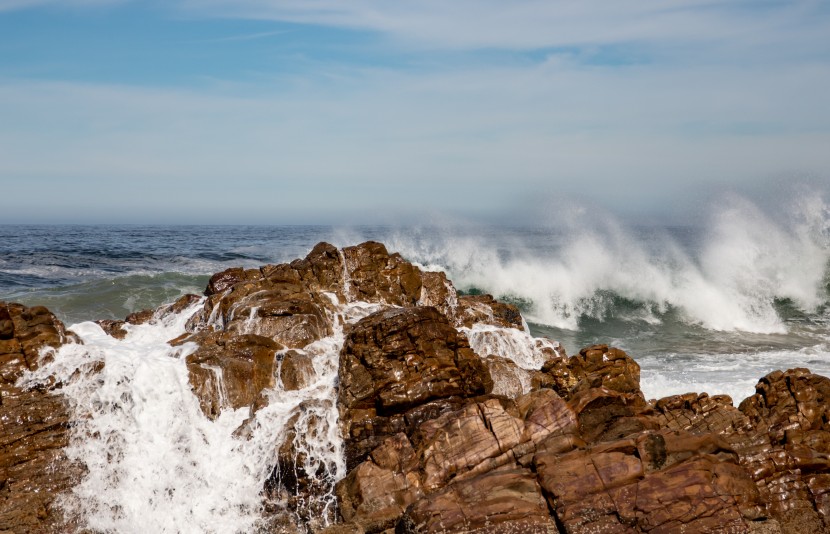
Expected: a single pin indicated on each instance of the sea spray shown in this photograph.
(154, 461)
(526, 351)
(728, 276)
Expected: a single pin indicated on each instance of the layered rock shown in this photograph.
(396, 360)
(439, 437)
(34, 424)
(603, 459)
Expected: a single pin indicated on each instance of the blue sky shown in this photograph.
(255, 111)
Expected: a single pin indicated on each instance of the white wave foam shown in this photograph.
(519, 346)
(155, 463)
(733, 374)
(730, 281)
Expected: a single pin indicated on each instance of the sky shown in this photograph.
(321, 111)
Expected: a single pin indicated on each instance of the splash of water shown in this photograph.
(745, 262)
(156, 463)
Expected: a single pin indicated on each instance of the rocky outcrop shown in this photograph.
(441, 439)
(34, 424)
(396, 360)
(602, 459)
(437, 437)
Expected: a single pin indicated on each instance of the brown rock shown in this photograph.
(600, 366)
(296, 370)
(701, 414)
(377, 276)
(395, 360)
(230, 371)
(223, 281)
(376, 493)
(607, 488)
(34, 424)
(795, 399)
(437, 291)
(606, 415)
(113, 328)
(459, 441)
(500, 502)
(509, 379)
(786, 452)
(485, 309)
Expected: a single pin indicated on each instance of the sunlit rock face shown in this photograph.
(34, 423)
(350, 391)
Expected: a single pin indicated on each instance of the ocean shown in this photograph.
(711, 307)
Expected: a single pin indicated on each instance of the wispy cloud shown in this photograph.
(523, 24)
(444, 139)
(14, 5)
(245, 37)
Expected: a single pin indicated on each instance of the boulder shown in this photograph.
(231, 371)
(397, 359)
(473, 309)
(600, 366)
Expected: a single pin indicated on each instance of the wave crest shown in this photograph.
(729, 274)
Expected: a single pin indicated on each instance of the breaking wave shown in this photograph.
(744, 270)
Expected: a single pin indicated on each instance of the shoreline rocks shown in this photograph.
(34, 424)
(439, 438)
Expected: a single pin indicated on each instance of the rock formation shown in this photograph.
(437, 437)
(34, 424)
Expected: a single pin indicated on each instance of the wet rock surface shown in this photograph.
(34, 424)
(439, 438)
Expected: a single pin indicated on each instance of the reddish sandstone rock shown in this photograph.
(397, 359)
(701, 414)
(503, 501)
(377, 492)
(607, 488)
(34, 424)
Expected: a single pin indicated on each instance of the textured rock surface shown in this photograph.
(231, 371)
(34, 425)
(397, 359)
(431, 445)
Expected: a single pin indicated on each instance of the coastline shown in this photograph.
(370, 347)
